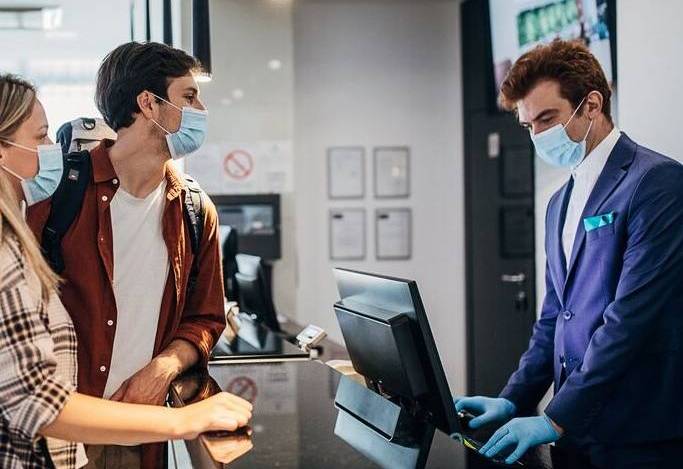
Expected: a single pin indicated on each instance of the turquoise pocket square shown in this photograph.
(592, 223)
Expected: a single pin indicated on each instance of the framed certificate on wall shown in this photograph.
(393, 231)
(346, 172)
(347, 234)
(392, 172)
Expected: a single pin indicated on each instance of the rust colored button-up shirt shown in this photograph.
(89, 264)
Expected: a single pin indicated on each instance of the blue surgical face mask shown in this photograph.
(50, 169)
(190, 135)
(555, 147)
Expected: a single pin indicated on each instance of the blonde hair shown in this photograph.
(17, 97)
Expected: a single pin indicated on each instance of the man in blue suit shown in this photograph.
(610, 334)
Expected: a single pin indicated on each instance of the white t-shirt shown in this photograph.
(141, 268)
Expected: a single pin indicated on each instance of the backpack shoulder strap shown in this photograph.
(66, 204)
(194, 209)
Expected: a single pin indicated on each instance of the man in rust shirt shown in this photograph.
(128, 253)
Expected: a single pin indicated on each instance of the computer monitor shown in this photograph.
(254, 290)
(256, 218)
(390, 343)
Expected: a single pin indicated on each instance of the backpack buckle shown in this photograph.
(50, 235)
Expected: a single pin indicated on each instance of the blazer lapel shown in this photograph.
(614, 171)
(556, 216)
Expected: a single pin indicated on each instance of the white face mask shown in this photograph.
(191, 134)
(50, 169)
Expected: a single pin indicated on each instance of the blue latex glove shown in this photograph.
(523, 433)
(485, 409)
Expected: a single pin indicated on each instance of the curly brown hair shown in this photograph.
(570, 63)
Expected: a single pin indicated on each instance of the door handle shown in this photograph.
(521, 301)
(513, 278)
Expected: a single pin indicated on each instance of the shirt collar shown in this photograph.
(175, 181)
(596, 159)
(103, 170)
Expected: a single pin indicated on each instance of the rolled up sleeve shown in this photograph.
(203, 319)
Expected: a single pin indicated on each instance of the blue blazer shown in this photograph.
(610, 334)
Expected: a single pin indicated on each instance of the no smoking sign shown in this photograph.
(238, 164)
(243, 387)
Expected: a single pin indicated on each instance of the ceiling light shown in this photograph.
(238, 93)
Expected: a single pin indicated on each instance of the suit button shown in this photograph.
(567, 315)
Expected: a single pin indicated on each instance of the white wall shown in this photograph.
(383, 73)
(650, 73)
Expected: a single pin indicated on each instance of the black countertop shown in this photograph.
(294, 421)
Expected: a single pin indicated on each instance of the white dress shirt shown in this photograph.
(585, 176)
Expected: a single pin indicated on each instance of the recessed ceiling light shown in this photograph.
(275, 64)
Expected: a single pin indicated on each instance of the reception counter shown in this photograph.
(296, 424)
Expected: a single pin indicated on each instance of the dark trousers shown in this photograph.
(656, 455)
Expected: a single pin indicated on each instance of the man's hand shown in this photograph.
(150, 384)
(486, 409)
(522, 433)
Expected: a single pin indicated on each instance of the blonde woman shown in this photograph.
(42, 414)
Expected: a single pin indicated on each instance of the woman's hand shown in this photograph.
(223, 411)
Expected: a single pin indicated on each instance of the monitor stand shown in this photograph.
(380, 429)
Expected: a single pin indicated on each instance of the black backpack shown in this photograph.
(77, 138)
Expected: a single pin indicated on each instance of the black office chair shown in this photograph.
(254, 290)
(229, 249)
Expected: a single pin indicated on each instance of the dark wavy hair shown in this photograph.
(133, 68)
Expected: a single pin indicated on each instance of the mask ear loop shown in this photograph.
(575, 111)
(589, 130)
(572, 116)
(161, 127)
(18, 145)
(167, 102)
(12, 172)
